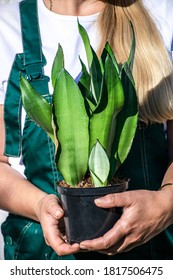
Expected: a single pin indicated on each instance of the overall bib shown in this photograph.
(145, 165)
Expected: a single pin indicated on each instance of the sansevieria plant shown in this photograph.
(92, 122)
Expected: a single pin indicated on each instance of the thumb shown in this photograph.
(50, 205)
(55, 210)
(113, 200)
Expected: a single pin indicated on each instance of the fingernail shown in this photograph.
(58, 213)
(99, 200)
(82, 247)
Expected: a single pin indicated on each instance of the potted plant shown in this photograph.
(92, 124)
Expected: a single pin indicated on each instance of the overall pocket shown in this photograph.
(23, 239)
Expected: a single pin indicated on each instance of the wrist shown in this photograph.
(166, 193)
(38, 203)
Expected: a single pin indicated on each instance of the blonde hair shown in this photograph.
(152, 70)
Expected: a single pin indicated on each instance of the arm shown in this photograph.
(168, 178)
(140, 221)
(19, 196)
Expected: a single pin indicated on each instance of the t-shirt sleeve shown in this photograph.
(2, 94)
(10, 42)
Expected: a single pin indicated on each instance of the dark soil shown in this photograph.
(87, 183)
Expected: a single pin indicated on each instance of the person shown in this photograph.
(29, 35)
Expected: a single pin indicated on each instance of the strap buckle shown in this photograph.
(34, 71)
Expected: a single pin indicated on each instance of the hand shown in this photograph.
(146, 213)
(50, 216)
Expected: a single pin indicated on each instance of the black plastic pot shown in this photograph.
(83, 219)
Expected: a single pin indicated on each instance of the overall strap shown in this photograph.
(33, 59)
(31, 64)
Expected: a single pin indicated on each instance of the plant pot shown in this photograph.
(83, 219)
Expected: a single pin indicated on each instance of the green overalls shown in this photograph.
(145, 165)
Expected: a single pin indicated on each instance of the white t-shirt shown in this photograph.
(61, 29)
(54, 29)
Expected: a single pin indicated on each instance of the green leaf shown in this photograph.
(99, 165)
(109, 50)
(86, 42)
(132, 50)
(103, 98)
(71, 121)
(130, 60)
(58, 63)
(93, 64)
(126, 140)
(96, 77)
(85, 80)
(103, 124)
(126, 121)
(85, 87)
(130, 117)
(37, 108)
(125, 68)
(96, 181)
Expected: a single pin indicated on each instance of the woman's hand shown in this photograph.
(50, 215)
(146, 213)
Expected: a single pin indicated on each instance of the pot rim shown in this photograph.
(96, 191)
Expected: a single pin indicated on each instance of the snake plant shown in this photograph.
(93, 121)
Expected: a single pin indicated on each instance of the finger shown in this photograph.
(55, 239)
(122, 246)
(114, 200)
(112, 250)
(53, 207)
(130, 242)
(63, 249)
(127, 245)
